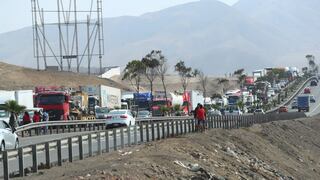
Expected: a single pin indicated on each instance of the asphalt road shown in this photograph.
(314, 107)
(13, 163)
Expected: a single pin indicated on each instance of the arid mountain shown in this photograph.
(219, 38)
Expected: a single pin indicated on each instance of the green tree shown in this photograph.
(133, 72)
(185, 74)
(162, 72)
(151, 63)
(203, 82)
(15, 109)
(223, 82)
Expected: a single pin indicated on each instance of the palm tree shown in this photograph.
(15, 109)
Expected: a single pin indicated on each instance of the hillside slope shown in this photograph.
(278, 150)
(15, 77)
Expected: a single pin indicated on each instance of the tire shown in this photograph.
(16, 146)
(2, 147)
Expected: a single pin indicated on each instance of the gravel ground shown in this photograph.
(277, 150)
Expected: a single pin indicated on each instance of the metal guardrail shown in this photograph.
(293, 96)
(147, 132)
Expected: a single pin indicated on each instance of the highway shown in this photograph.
(315, 107)
(13, 163)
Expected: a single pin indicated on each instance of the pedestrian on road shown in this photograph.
(195, 116)
(26, 118)
(36, 117)
(45, 117)
(201, 116)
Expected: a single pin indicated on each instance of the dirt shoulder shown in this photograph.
(287, 150)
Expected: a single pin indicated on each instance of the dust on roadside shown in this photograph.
(277, 150)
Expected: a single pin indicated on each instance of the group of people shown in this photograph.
(200, 117)
(38, 116)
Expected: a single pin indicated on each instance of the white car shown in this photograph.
(8, 138)
(233, 111)
(121, 117)
(258, 111)
(214, 112)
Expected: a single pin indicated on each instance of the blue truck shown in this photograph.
(303, 102)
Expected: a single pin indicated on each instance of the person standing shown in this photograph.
(45, 118)
(195, 116)
(26, 118)
(201, 116)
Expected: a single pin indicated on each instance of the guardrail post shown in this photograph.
(34, 159)
(185, 126)
(74, 128)
(80, 147)
(115, 140)
(189, 125)
(141, 133)
(163, 130)
(85, 127)
(70, 149)
(5, 162)
(177, 127)
(89, 127)
(90, 144)
(181, 126)
(107, 141)
(122, 138)
(158, 131)
(63, 127)
(59, 152)
(129, 135)
(99, 143)
(147, 132)
(21, 166)
(135, 135)
(152, 131)
(47, 152)
(69, 130)
(172, 128)
(168, 129)
(192, 125)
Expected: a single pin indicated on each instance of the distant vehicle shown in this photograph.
(294, 105)
(271, 93)
(214, 112)
(144, 114)
(4, 116)
(8, 138)
(303, 103)
(101, 112)
(312, 99)
(232, 111)
(313, 83)
(258, 111)
(121, 117)
(307, 90)
(283, 109)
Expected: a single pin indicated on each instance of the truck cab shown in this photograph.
(56, 103)
(303, 102)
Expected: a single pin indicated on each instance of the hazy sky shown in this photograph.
(16, 14)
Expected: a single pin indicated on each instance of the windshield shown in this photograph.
(143, 113)
(102, 110)
(51, 99)
(4, 114)
(117, 112)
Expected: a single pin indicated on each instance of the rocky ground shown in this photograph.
(277, 150)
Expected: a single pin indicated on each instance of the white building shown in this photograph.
(109, 72)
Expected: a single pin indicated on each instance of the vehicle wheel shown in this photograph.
(2, 147)
(16, 146)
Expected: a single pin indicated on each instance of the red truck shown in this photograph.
(158, 103)
(54, 101)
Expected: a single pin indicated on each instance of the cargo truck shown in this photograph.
(191, 99)
(102, 96)
(303, 102)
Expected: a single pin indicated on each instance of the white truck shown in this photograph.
(102, 96)
(22, 97)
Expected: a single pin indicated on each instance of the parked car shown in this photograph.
(121, 117)
(294, 105)
(232, 111)
(313, 83)
(312, 99)
(283, 109)
(307, 90)
(258, 111)
(214, 112)
(8, 138)
(101, 112)
(144, 114)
